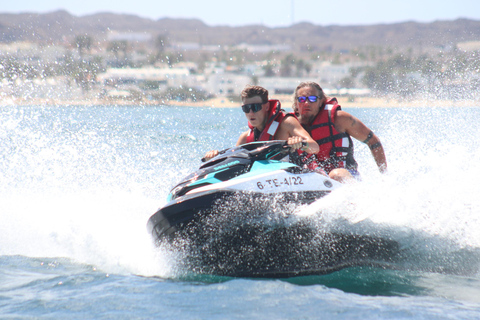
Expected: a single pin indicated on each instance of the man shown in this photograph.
(332, 129)
(267, 121)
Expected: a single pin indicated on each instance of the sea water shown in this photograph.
(78, 184)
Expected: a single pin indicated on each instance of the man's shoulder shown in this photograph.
(242, 139)
(339, 113)
(290, 117)
(245, 133)
(340, 116)
(290, 120)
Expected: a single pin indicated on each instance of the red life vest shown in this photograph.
(336, 148)
(275, 117)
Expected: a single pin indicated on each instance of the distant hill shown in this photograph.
(55, 26)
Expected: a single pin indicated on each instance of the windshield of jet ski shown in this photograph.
(231, 163)
(242, 155)
(260, 150)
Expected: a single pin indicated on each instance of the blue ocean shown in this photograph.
(78, 184)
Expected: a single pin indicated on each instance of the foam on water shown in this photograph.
(428, 201)
(78, 192)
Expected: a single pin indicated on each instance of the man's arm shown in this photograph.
(292, 128)
(345, 122)
(243, 138)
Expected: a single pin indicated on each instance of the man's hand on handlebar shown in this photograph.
(209, 155)
(296, 143)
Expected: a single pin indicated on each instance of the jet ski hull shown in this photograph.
(235, 237)
(284, 252)
(180, 214)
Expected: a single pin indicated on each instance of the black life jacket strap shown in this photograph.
(332, 138)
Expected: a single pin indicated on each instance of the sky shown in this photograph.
(270, 13)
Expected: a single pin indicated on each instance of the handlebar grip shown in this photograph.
(304, 144)
(204, 159)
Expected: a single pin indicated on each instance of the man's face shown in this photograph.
(308, 110)
(256, 119)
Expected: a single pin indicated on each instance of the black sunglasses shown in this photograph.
(310, 98)
(255, 107)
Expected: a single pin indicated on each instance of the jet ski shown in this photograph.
(233, 217)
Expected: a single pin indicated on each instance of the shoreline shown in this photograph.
(224, 102)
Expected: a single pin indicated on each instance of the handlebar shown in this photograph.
(204, 159)
(259, 147)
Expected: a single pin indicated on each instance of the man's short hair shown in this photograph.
(253, 91)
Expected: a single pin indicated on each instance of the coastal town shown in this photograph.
(142, 68)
